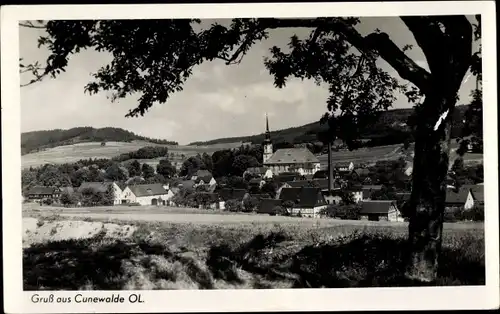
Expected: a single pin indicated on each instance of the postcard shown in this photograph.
(249, 157)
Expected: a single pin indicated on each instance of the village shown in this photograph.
(289, 182)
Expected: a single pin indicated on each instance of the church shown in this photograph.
(299, 160)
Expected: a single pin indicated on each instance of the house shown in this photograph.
(281, 186)
(477, 192)
(227, 194)
(256, 182)
(299, 160)
(259, 196)
(268, 206)
(462, 199)
(40, 193)
(188, 185)
(66, 189)
(357, 193)
(334, 197)
(385, 210)
(323, 184)
(203, 177)
(344, 167)
(307, 201)
(259, 172)
(102, 187)
(321, 174)
(287, 177)
(368, 190)
(146, 194)
(299, 184)
(360, 173)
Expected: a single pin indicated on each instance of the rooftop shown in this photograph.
(292, 156)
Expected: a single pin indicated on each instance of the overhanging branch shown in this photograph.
(375, 42)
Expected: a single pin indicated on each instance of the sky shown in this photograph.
(217, 100)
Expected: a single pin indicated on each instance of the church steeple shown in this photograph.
(267, 145)
(268, 134)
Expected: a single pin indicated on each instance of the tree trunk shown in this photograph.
(430, 168)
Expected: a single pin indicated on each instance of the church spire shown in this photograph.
(267, 124)
(267, 139)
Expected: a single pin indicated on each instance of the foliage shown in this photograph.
(235, 162)
(165, 168)
(48, 201)
(462, 175)
(182, 197)
(191, 166)
(233, 206)
(157, 178)
(147, 171)
(454, 214)
(250, 204)
(385, 193)
(147, 152)
(91, 197)
(36, 140)
(233, 182)
(347, 197)
(390, 173)
(116, 173)
(68, 199)
(241, 163)
(349, 212)
(134, 168)
(270, 188)
(288, 205)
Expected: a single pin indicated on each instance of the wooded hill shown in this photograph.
(36, 140)
(390, 129)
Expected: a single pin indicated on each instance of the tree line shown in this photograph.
(36, 140)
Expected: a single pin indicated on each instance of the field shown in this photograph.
(72, 153)
(177, 248)
(390, 152)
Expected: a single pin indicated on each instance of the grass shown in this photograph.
(250, 255)
(73, 153)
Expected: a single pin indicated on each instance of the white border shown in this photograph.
(485, 297)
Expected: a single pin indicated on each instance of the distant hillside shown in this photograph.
(39, 140)
(390, 129)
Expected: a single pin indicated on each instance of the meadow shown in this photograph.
(370, 155)
(229, 253)
(75, 152)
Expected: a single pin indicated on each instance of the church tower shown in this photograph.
(267, 145)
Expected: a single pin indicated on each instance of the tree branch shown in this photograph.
(31, 25)
(375, 42)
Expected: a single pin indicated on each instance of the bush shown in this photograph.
(233, 206)
(349, 212)
(48, 201)
(250, 204)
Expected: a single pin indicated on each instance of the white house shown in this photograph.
(103, 187)
(345, 166)
(261, 172)
(146, 194)
(203, 177)
(461, 199)
(380, 210)
(307, 201)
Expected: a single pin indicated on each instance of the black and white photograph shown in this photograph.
(249, 152)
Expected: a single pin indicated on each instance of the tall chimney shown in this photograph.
(330, 168)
